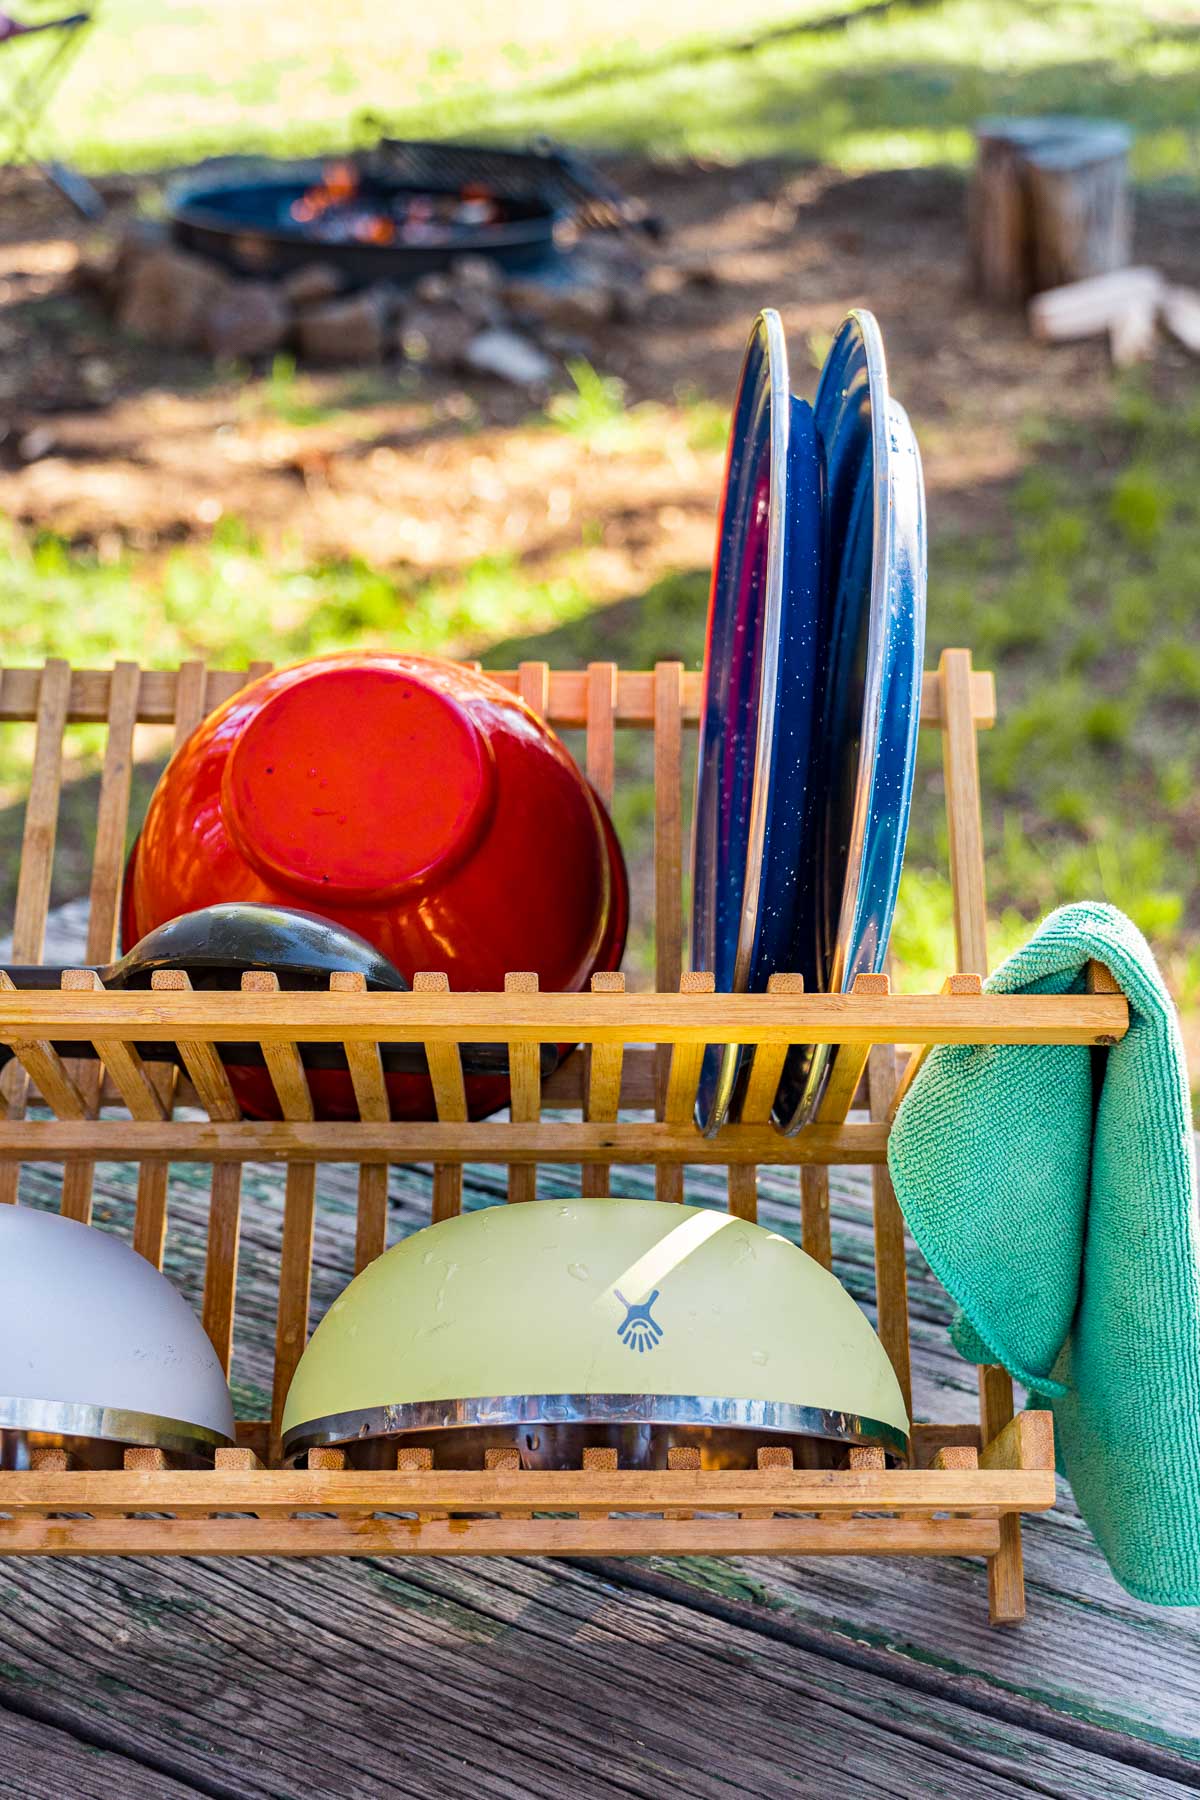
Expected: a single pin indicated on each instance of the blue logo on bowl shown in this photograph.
(639, 1330)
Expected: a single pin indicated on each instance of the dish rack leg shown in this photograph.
(960, 762)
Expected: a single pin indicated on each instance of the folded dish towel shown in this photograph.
(1051, 1188)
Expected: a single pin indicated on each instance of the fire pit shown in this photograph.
(396, 213)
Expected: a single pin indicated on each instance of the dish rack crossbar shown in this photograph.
(639, 1052)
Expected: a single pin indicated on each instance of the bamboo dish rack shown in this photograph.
(966, 1485)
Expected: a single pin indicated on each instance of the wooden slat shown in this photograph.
(601, 705)
(1006, 1570)
(370, 1093)
(683, 1075)
(449, 1095)
(142, 1536)
(139, 1093)
(440, 1018)
(49, 1074)
(840, 1090)
(112, 814)
(767, 1067)
(846, 1068)
(533, 685)
(299, 1205)
(550, 1141)
(205, 1068)
(761, 1089)
(505, 1488)
(815, 1234)
(603, 1089)
(108, 863)
(214, 1093)
(960, 761)
(891, 1272)
(964, 817)
(566, 706)
(47, 701)
(118, 1055)
(668, 855)
(525, 1083)
(152, 1177)
(190, 699)
(1026, 1442)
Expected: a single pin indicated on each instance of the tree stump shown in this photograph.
(1049, 204)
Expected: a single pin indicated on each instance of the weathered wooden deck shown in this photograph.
(504, 1678)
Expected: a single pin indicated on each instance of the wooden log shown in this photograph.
(1078, 186)
(1048, 204)
(1086, 308)
(1181, 316)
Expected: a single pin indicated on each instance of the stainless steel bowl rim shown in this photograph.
(109, 1424)
(769, 1416)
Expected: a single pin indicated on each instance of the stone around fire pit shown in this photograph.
(438, 336)
(353, 330)
(168, 298)
(312, 285)
(252, 319)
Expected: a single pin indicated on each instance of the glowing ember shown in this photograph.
(337, 210)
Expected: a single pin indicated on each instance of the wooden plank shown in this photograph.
(43, 1762)
(532, 1646)
(299, 1202)
(48, 704)
(525, 1087)
(450, 1098)
(603, 1089)
(371, 1096)
(668, 862)
(436, 1016)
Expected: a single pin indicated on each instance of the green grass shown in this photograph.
(783, 77)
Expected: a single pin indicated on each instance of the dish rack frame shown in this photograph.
(966, 1485)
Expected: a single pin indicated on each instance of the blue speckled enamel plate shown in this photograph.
(875, 519)
(752, 848)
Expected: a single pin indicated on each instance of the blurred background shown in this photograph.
(256, 482)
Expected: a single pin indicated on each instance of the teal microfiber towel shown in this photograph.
(1051, 1189)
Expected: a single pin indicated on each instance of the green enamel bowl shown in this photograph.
(563, 1324)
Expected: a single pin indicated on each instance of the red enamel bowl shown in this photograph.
(416, 802)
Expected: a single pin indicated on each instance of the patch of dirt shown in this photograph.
(114, 443)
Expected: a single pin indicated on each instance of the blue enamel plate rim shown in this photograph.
(767, 341)
(884, 648)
